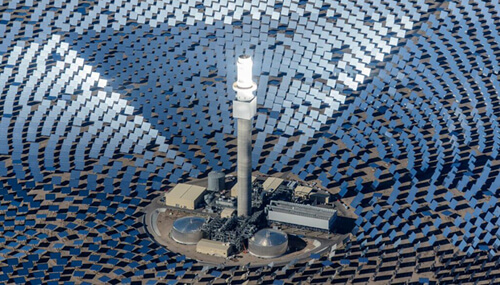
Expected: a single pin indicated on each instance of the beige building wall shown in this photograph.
(227, 212)
(215, 248)
(321, 197)
(302, 191)
(185, 196)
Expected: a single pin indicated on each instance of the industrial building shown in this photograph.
(212, 247)
(234, 189)
(242, 216)
(320, 197)
(268, 243)
(272, 183)
(187, 230)
(301, 215)
(185, 196)
(302, 191)
(227, 212)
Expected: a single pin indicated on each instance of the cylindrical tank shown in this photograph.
(187, 230)
(216, 181)
(268, 243)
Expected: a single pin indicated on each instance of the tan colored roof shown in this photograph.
(303, 190)
(272, 183)
(185, 192)
(227, 212)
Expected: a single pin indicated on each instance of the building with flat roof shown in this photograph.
(302, 191)
(227, 212)
(321, 197)
(272, 183)
(185, 196)
(234, 189)
(301, 215)
(212, 247)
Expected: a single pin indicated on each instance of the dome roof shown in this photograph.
(269, 237)
(189, 224)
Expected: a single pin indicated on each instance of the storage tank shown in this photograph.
(216, 181)
(268, 243)
(187, 230)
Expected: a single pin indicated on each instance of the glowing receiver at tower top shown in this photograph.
(245, 105)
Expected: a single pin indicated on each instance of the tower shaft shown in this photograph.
(244, 165)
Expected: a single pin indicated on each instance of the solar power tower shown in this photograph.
(244, 109)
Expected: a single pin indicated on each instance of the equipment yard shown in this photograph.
(302, 243)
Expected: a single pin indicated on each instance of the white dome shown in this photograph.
(187, 230)
(268, 243)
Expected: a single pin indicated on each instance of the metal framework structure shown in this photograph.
(235, 230)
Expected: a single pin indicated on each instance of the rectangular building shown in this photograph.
(227, 213)
(272, 183)
(302, 191)
(212, 247)
(185, 196)
(301, 215)
(321, 197)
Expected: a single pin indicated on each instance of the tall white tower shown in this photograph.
(244, 109)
